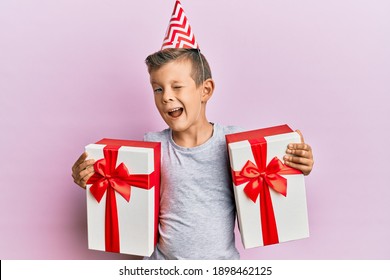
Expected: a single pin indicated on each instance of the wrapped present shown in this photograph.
(270, 196)
(123, 196)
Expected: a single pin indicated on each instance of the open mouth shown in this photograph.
(176, 112)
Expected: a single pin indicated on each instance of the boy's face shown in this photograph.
(177, 98)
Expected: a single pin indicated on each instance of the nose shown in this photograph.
(168, 96)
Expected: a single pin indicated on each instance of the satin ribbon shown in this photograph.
(260, 177)
(110, 179)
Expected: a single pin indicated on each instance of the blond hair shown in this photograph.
(200, 67)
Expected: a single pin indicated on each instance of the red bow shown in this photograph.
(270, 176)
(104, 178)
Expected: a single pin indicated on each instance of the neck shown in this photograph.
(195, 136)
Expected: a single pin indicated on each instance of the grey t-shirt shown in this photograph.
(197, 210)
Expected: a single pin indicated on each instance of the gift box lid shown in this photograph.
(132, 143)
(258, 133)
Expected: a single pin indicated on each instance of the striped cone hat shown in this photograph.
(179, 33)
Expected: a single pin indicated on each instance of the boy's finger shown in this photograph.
(86, 172)
(82, 157)
(300, 134)
(83, 176)
(80, 160)
(86, 164)
(298, 160)
(83, 181)
(299, 146)
(304, 168)
(301, 153)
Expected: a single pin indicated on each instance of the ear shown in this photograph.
(207, 90)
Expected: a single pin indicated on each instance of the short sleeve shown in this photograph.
(234, 129)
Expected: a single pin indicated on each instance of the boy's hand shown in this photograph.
(82, 170)
(299, 156)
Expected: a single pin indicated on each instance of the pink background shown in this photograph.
(72, 72)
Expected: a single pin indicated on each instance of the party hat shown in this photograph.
(179, 33)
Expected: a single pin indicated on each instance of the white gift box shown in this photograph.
(137, 218)
(290, 211)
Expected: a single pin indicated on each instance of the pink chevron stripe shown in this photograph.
(189, 40)
(174, 27)
(180, 12)
(180, 22)
(177, 34)
(179, 17)
(180, 33)
(181, 40)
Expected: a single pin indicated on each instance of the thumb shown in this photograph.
(300, 134)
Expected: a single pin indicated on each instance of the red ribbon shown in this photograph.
(260, 178)
(111, 179)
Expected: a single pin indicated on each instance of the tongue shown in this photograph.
(176, 113)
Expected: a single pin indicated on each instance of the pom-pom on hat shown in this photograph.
(179, 33)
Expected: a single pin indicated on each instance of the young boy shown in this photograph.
(197, 209)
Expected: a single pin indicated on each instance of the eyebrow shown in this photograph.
(172, 82)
